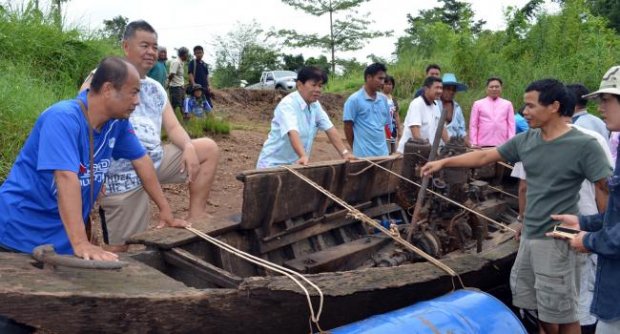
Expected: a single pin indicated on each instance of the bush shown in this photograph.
(214, 125)
(40, 65)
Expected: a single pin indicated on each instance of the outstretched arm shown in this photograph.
(468, 160)
(334, 138)
(293, 136)
(70, 209)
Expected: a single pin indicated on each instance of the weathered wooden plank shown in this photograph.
(298, 198)
(18, 273)
(314, 228)
(342, 257)
(200, 269)
(167, 238)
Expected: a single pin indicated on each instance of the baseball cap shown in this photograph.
(609, 85)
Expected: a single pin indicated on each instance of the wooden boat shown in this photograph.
(182, 284)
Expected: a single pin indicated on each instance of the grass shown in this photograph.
(210, 125)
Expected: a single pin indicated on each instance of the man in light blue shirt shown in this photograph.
(581, 116)
(366, 114)
(296, 121)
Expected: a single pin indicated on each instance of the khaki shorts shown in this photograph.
(129, 213)
(544, 278)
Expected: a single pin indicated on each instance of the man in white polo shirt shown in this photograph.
(423, 115)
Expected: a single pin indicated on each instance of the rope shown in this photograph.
(271, 266)
(503, 226)
(503, 192)
(356, 214)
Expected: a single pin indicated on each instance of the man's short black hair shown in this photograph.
(390, 79)
(182, 51)
(132, 27)
(432, 66)
(489, 80)
(551, 90)
(198, 48)
(110, 69)
(429, 81)
(311, 73)
(373, 69)
(578, 90)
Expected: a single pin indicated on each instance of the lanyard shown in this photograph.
(91, 153)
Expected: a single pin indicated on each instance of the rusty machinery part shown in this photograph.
(45, 254)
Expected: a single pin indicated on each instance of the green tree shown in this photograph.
(609, 9)
(320, 62)
(347, 33)
(242, 54)
(114, 28)
(293, 63)
(456, 15)
(57, 6)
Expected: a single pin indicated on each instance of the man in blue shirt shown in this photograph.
(46, 197)
(366, 114)
(296, 121)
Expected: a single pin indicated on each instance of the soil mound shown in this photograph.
(256, 105)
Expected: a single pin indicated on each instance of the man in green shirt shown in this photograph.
(159, 72)
(556, 158)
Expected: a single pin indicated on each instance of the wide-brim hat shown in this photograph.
(609, 85)
(196, 87)
(449, 79)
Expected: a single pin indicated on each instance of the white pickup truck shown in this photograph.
(284, 80)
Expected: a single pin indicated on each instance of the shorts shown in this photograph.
(177, 95)
(544, 277)
(129, 213)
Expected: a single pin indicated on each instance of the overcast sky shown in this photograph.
(190, 22)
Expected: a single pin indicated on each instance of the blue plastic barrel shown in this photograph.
(459, 312)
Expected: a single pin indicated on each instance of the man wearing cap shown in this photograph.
(159, 71)
(455, 121)
(196, 104)
(556, 158)
(423, 115)
(600, 233)
(492, 119)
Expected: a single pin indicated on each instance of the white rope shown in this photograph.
(270, 266)
(495, 222)
(355, 213)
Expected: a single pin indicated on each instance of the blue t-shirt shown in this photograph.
(369, 119)
(520, 123)
(29, 214)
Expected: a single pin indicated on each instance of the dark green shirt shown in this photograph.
(555, 170)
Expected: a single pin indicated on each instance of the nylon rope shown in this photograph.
(356, 214)
(314, 317)
(495, 222)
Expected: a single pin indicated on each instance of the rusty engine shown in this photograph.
(441, 226)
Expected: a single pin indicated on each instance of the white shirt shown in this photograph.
(423, 115)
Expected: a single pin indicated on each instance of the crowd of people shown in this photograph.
(108, 141)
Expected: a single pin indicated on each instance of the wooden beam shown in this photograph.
(318, 226)
(185, 261)
(342, 257)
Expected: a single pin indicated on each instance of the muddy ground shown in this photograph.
(250, 113)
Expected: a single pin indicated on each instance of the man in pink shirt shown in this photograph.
(492, 120)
